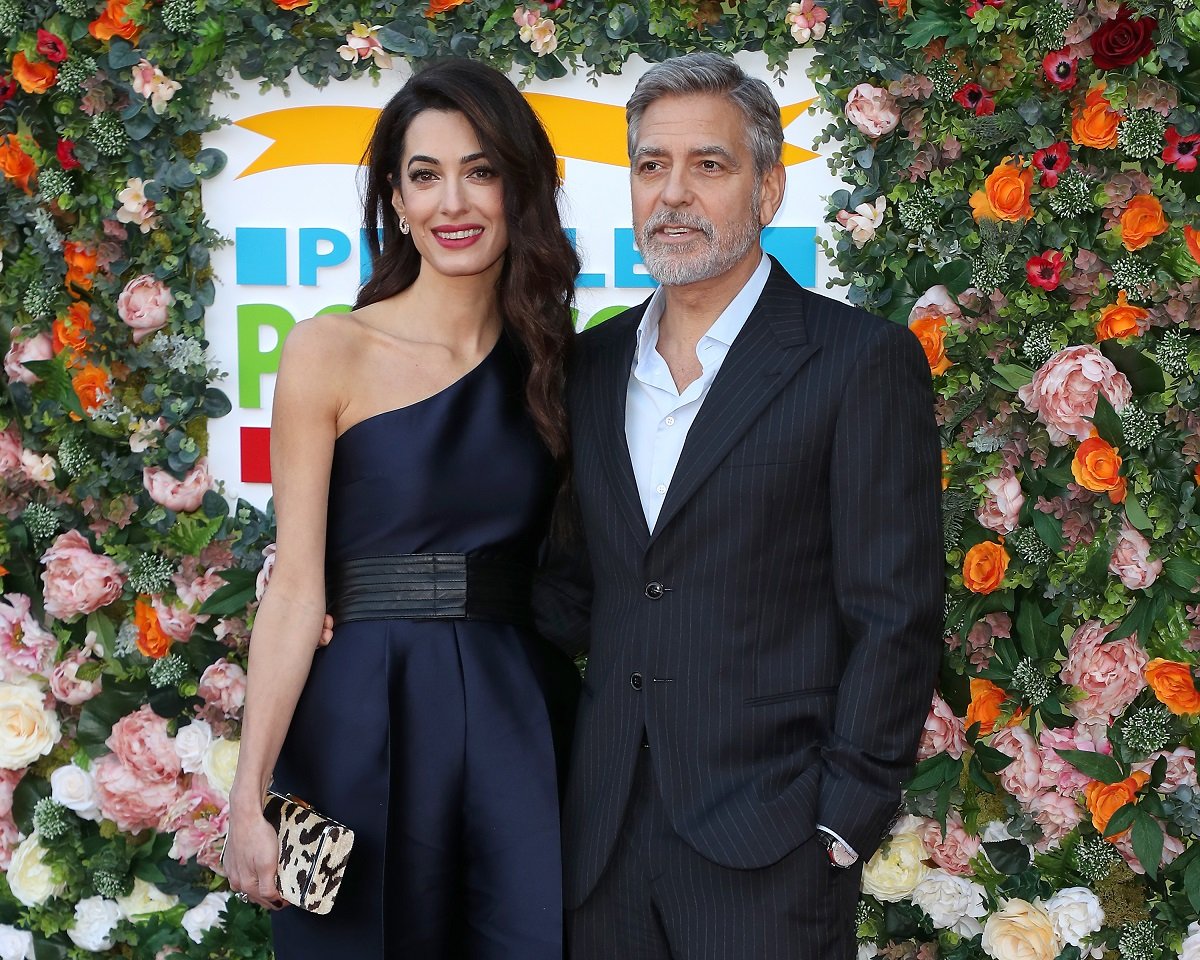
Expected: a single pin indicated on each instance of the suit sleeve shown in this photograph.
(562, 588)
(888, 565)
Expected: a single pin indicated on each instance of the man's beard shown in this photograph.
(675, 267)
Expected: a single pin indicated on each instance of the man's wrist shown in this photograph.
(840, 853)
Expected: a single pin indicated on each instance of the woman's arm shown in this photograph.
(288, 623)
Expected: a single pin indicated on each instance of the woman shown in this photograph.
(429, 420)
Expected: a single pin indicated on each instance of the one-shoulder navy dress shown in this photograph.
(435, 740)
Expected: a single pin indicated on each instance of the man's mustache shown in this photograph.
(675, 218)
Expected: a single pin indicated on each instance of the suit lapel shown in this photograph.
(611, 389)
(765, 355)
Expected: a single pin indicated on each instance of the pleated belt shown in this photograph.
(432, 586)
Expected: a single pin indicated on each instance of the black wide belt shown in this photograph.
(432, 586)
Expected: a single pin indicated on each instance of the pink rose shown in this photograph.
(1131, 559)
(264, 575)
(143, 305)
(937, 301)
(10, 836)
(1181, 768)
(65, 683)
(77, 580)
(37, 347)
(141, 741)
(943, 732)
(132, 803)
(25, 647)
(176, 622)
(193, 592)
(1063, 392)
(1057, 774)
(1057, 815)
(1172, 848)
(223, 689)
(8, 783)
(1022, 777)
(1002, 508)
(1108, 674)
(873, 110)
(199, 819)
(953, 852)
(10, 451)
(182, 496)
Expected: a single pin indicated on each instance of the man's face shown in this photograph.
(697, 209)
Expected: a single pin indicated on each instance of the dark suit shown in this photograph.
(776, 636)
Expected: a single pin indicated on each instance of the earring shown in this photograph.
(404, 225)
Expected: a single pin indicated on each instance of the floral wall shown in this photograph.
(1020, 191)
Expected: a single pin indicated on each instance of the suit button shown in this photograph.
(654, 590)
(635, 681)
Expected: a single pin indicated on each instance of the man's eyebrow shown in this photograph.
(714, 149)
(649, 152)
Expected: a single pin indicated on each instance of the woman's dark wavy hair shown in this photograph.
(537, 282)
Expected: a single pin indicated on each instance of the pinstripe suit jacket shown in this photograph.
(784, 671)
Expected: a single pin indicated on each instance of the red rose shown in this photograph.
(8, 89)
(1060, 67)
(976, 98)
(1045, 271)
(1122, 40)
(1051, 161)
(51, 47)
(1181, 152)
(66, 154)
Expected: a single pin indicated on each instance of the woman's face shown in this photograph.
(451, 196)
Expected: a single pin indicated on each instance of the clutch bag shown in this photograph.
(313, 852)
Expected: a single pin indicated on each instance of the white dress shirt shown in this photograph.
(658, 417)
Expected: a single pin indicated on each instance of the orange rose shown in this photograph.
(114, 22)
(33, 77)
(946, 469)
(81, 267)
(984, 567)
(1191, 236)
(1095, 123)
(441, 6)
(152, 642)
(1173, 684)
(984, 708)
(1005, 193)
(1120, 319)
(1097, 467)
(1105, 799)
(899, 7)
(292, 4)
(71, 331)
(1142, 221)
(931, 331)
(91, 387)
(15, 163)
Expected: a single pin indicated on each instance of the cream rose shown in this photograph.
(27, 729)
(952, 902)
(29, 876)
(145, 899)
(220, 764)
(1076, 914)
(15, 944)
(95, 920)
(896, 869)
(75, 789)
(205, 915)
(1020, 930)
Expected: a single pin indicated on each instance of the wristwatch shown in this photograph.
(839, 854)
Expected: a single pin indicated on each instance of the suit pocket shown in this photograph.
(789, 695)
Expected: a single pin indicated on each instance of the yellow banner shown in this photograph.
(579, 130)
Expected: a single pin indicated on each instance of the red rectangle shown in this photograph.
(256, 454)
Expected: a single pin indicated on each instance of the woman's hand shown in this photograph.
(251, 859)
(326, 631)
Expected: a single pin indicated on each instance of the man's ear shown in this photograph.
(770, 194)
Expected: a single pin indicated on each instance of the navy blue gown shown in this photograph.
(435, 740)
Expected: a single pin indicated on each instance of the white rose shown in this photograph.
(27, 729)
(95, 920)
(75, 789)
(1191, 946)
(1076, 913)
(191, 743)
(220, 764)
(15, 944)
(205, 915)
(952, 902)
(896, 869)
(995, 832)
(867, 950)
(145, 899)
(29, 876)
(1020, 930)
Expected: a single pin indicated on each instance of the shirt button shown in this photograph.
(661, 488)
(670, 421)
(654, 590)
(635, 681)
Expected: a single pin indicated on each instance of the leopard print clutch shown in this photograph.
(313, 851)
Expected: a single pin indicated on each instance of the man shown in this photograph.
(757, 480)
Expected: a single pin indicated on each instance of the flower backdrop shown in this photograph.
(1021, 191)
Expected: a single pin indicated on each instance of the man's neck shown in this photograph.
(689, 310)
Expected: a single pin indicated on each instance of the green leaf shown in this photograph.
(227, 600)
(1106, 421)
(1145, 376)
(978, 777)
(212, 160)
(956, 276)
(1136, 515)
(1049, 530)
(1012, 376)
(25, 797)
(991, 759)
(1119, 822)
(56, 382)
(97, 716)
(122, 53)
(1010, 857)
(45, 950)
(1191, 883)
(1183, 572)
(622, 20)
(1098, 766)
(925, 28)
(1147, 843)
(104, 630)
(933, 772)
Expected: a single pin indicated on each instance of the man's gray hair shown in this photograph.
(709, 73)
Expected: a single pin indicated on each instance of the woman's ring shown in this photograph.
(243, 897)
